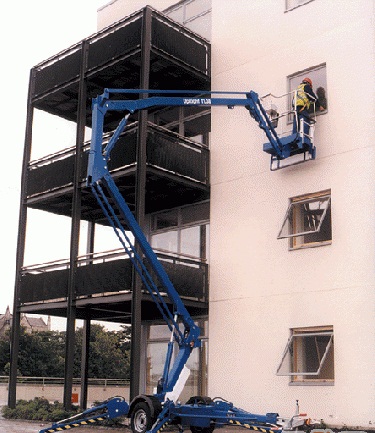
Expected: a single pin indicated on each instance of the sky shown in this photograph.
(31, 31)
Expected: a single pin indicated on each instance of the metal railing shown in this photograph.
(45, 381)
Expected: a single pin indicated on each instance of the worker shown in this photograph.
(304, 98)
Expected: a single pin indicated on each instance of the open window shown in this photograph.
(318, 76)
(307, 221)
(309, 355)
(292, 4)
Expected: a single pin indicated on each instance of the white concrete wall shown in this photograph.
(259, 289)
(55, 393)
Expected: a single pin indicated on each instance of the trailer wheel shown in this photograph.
(141, 420)
(209, 429)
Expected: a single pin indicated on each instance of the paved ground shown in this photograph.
(12, 426)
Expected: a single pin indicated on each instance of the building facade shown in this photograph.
(294, 316)
(290, 252)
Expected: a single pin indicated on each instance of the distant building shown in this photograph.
(31, 324)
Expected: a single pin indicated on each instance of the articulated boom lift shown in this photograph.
(153, 412)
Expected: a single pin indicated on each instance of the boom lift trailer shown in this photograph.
(153, 412)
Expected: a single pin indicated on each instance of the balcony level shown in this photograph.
(103, 288)
(115, 57)
(177, 173)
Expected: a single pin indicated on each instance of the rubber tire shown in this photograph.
(209, 429)
(140, 420)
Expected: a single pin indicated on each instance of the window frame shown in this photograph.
(290, 218)
(295, 6)
(311, 71)
(198, 377)
(186, 219)
(303, 377)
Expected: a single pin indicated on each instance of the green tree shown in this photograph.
(109, 355)
(4, 355)
(42, 354)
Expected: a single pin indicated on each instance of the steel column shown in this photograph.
(140, 190)
(75, 229)
(85, 363)
(16, 322)
(86, 329)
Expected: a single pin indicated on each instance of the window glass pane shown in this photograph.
(291, 4)
(191, 241)
(167, 241)
(325, 232)
(192, 384)
(198, 212)
(177, 14)
(159, 332)
(196, 7)
(164, 220)
(156, 355)
(201, 25)
(158, 338)
(318, 76)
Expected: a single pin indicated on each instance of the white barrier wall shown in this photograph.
(55, 393)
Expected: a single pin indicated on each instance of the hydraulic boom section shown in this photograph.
(279, 146)
(153, 412)
(121, 218)
(117, 211)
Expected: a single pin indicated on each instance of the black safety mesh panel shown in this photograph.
(124, 152)
(50, 176)
(114, 44)
(177, 43)
(165, 150)
(57, 174)
(65, 68)
(60, 173)
(44, 286)
(189, 280)
(113, 276)
(176, 155)
(108, 277)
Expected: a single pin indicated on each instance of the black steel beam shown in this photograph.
(85, 363)
(16, 323)
(140, 192)
(75, 230)
(86, 330)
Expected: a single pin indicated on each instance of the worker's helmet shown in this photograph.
(307, 80)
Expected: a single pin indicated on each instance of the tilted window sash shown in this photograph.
(290, 229)
(289, 371)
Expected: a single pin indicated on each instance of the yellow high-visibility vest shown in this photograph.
(302, 99)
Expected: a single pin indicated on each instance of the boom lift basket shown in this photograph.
(296, 135)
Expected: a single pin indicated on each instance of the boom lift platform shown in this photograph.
(296, 135)
(153, 412)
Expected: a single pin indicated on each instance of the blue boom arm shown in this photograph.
(249, 100)
(111, 200)
(113, 203)
(200, 415)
